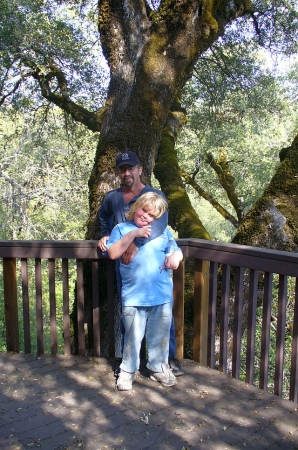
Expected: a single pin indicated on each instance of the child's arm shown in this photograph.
(117, 249)
(158, 226)
(173, 260)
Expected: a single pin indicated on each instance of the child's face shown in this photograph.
(143, 216)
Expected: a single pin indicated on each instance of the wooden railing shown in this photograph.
(233, 293)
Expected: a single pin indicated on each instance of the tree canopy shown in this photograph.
(51, 52)
(48, 47)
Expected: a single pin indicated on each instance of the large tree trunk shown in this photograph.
(272, 222)
(151, 56)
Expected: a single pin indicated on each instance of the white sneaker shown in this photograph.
(166, 377)
(124, 380)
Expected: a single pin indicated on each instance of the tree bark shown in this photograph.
(182, 215)
(226, 179)
(151, 56)
(272, 221)
(188, 179)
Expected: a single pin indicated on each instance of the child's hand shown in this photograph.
(173, 260)
(143, 231)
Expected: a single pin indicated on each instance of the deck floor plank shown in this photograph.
(69, 402)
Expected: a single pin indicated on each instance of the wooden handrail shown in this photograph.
(221, 272)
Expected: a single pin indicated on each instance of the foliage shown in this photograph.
(39, 35)
(53, 48)
(242, 113)
(45, 165)
(275, 25)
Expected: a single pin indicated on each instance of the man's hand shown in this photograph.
(102, 243)
(128, 255)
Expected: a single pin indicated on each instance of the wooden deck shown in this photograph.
(71, 403)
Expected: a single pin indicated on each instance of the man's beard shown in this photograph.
(128, 181)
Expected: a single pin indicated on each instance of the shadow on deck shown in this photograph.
(70, 402)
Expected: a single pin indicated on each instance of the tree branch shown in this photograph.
(220, 209)
(255, 23)
(91, 120)
(226, 180)
(12, 91)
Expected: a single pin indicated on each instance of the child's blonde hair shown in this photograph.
(151, 200)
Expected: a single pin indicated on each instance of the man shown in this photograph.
(112, 211)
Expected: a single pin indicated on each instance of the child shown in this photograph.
(147, 299)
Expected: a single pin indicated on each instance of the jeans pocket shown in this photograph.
(167, 309)
(128, 310)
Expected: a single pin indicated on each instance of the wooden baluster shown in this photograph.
(39, 316)
(80, 308)
(178, 309)
(294, 360)
(212, 315)
(280, 335)
(53, 321)
(66, 318)
(201, 304)
(111, 306)
(26, 310)
(265, 342)
(95, 301)
(251, 325)
(224, 316)
(237, 327)
(11, 304)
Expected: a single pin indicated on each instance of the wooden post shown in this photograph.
(201, 302)
(11, 304)
(53, 319)
(111, 310)
(178, 309)
(80, 308)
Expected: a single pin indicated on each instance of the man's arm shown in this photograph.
(157, 228)
(106, 218)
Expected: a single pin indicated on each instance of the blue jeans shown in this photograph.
(172, 340)
(155, 323)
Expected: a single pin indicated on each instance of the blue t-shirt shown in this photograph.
(144, 283)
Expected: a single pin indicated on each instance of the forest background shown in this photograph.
(240, 106)
(213, 139)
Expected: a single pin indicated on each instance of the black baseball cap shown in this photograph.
(129, 158)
